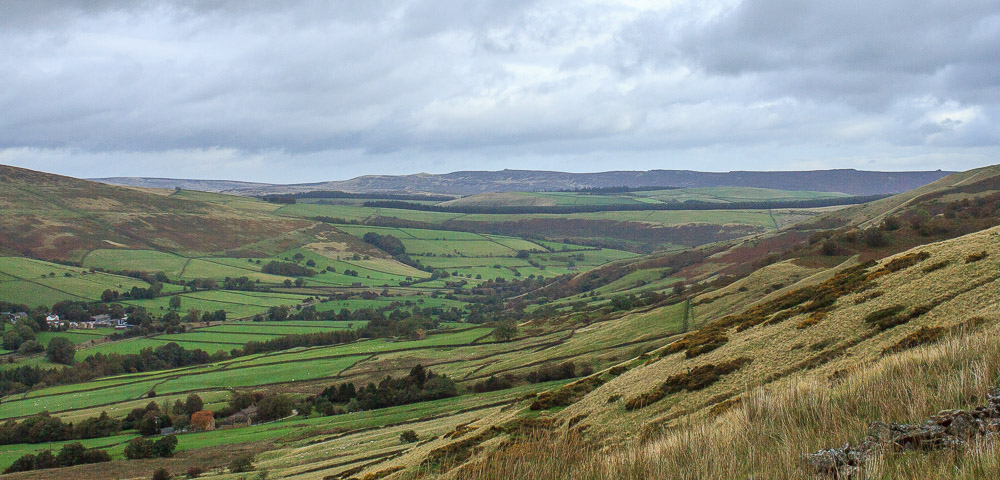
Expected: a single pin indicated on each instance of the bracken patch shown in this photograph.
(696, 379)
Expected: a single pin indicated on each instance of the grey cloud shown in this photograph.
(437, 83)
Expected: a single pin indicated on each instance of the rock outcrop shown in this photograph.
(947, 429)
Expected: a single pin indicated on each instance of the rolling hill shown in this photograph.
(50, 216)
(733, 358)
(852, 182)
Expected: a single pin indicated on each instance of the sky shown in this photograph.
(285, 92)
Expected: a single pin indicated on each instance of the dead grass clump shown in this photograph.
(975, 257)
(886, 318)
(696, 379)
(936, 266)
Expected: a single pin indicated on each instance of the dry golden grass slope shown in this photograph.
(873, 213)
(781, 382)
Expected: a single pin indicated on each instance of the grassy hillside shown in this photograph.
(903, 339)
(722, 359)
(50, 216)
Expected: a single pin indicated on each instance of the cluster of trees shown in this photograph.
(300, 340)
(44, 428)
(140, 447)
(390, 320)
(71, 454)
(166, 356)
(386, 243)
(649, 297)
(269, 406)
(418, 386)
(545, 373)
(287, 269)
(243, 284)
(286, 199)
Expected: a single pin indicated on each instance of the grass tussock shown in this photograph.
(765, 433)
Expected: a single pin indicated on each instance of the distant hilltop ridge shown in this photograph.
(849, 181)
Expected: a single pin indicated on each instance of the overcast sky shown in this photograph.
(307, 91)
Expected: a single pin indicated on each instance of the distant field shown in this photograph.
(285, 366)
(236, 304)
(565, 199)
(32, 282)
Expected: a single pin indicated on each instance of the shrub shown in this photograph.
(887, 318)
(161, 474)
(695, 379)
(242, 463)
(195, 472)
(408, 436)
(905, 261)
(936, 266)
(975, 257)
(921, 336)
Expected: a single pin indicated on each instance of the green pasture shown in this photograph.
(32, 282)
(236, 304)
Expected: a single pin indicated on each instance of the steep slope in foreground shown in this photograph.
(55, 217)
(803, 369)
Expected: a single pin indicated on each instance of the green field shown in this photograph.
(35, 282)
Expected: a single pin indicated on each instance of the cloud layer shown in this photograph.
(279, 92)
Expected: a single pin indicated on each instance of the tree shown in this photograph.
(12, 340)
(175, 302)
(164, 447)
(505, 331)
(193, 404)
(61, 350)
(139, 448)
(274, 407)
(30, 347)
(149, 425)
